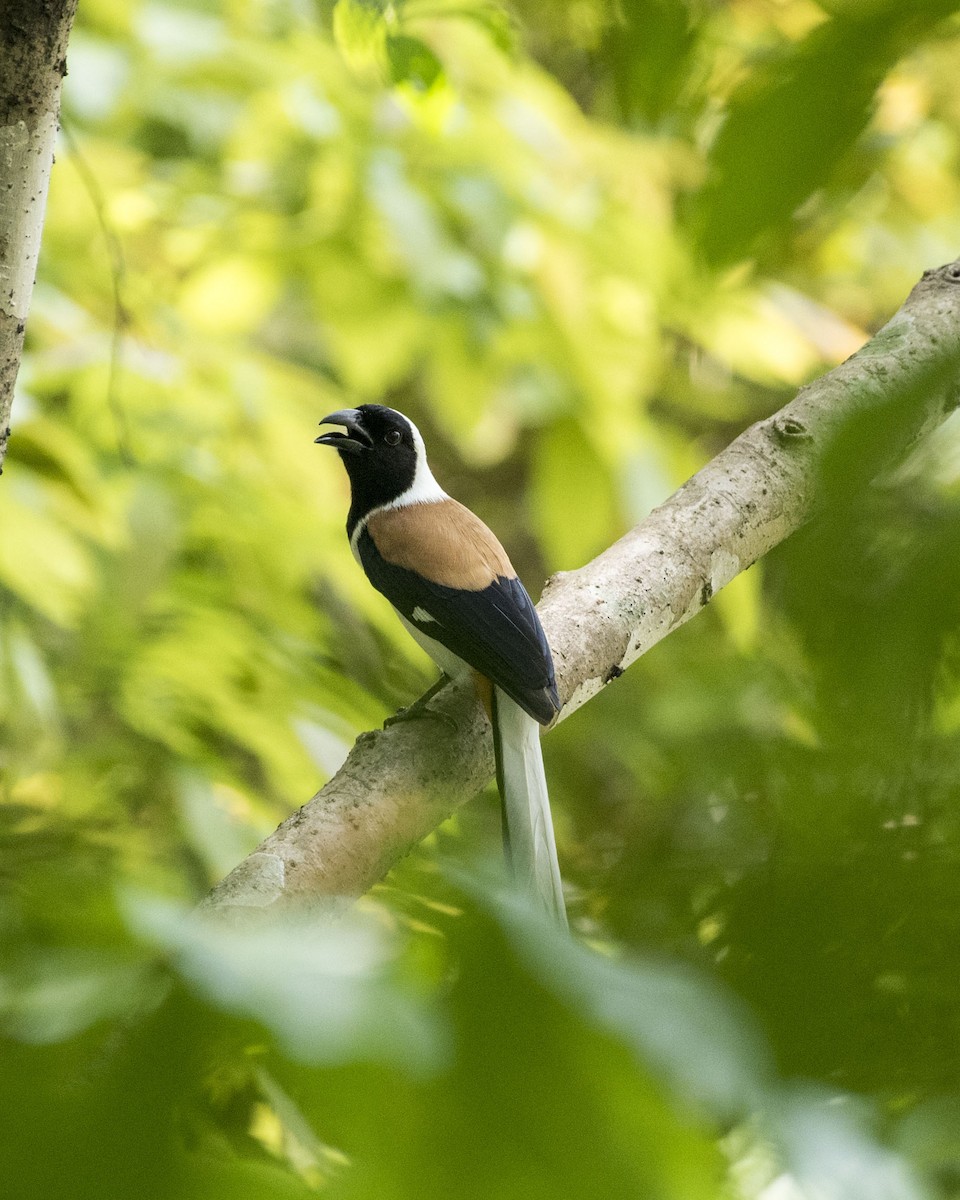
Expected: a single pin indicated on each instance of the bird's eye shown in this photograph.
(392, 437)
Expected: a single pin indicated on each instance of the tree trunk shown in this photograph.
(33, 47)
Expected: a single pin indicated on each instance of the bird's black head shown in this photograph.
(383, 454)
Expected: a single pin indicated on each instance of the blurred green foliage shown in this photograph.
(583, 244)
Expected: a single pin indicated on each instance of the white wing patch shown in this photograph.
(421, 614)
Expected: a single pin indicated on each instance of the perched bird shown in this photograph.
(453, 587)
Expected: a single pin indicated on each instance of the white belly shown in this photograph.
(451, 664)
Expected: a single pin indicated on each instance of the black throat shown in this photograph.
(377, 478)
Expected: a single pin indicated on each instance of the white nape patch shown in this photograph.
(423, 490)
(421, 614)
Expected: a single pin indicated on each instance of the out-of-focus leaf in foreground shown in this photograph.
(681, 1027)
(830, 1152)
(326, 993)
(792, 120)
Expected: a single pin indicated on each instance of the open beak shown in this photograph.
(354, 440)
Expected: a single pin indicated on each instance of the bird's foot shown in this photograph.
(420, 709)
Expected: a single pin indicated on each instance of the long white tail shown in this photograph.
(528, 826)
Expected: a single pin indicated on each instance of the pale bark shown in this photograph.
(399, 783)
(33, 47)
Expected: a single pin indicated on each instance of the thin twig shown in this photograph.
(118, 276)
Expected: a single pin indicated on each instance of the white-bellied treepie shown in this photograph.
(454, 589)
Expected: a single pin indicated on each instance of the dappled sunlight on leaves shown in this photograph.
(583, 245)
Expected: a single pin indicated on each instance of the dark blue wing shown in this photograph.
(495, 630)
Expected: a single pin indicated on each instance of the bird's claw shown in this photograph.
(420, 709)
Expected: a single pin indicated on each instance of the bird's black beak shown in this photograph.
(356, 437)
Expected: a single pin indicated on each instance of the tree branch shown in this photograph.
(399, 783)
(33, 48)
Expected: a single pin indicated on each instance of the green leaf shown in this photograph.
(566, 468)
(649, 46)
(41, 562)
(830, 1151)
(412, 61)
(52, 996)
(795, 117)
(325, 992)
(708, 1050)
(360, 31)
